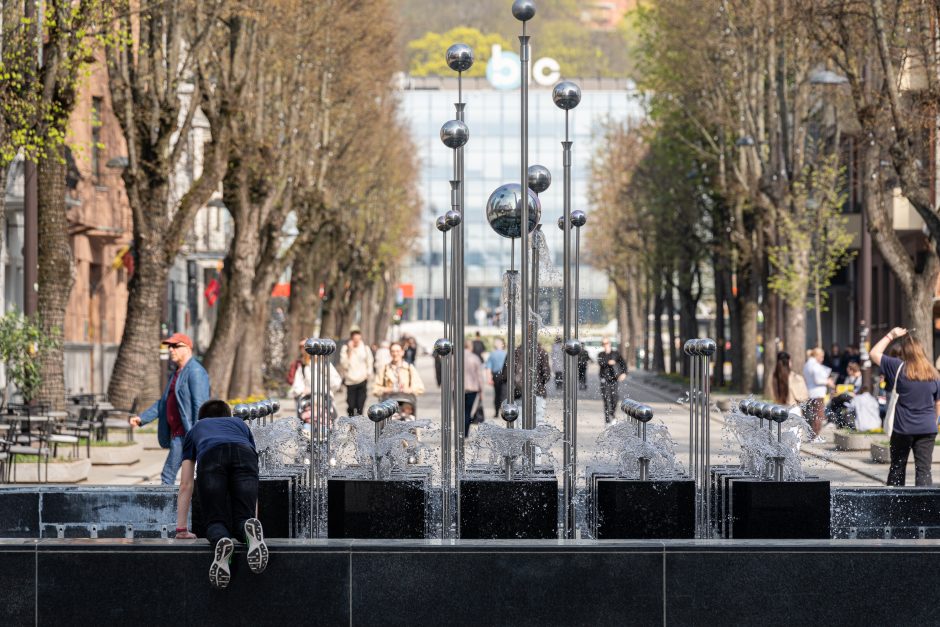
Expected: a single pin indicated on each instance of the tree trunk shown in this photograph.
(246, 379)
(625, 327)
(136, 375)
(770, 339)
(659, 361)
(671, 328)
(385, 304)
(55, 274)
(720, 338)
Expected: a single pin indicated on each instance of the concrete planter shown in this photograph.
(113, 455)
(853, 441)
(59, 472)
(880, 453)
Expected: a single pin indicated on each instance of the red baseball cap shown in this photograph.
(178, 338)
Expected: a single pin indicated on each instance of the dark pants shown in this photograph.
(468, 399)
(609, 392)
(356, 398)
(228, 476)
(901, 446)
(499, 395)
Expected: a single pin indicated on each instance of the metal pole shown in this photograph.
(644, 461)
(568, 372)
(511, 326)
(527, 400)
(461, 292)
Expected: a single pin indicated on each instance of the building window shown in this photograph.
(96, 145)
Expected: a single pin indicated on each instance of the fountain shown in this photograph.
(640, 492)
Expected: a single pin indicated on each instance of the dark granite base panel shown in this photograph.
(802, 584)
(779, 509)
(502, 587)
(645, 510)
(683, 582)
(525, 509)
(393, 509)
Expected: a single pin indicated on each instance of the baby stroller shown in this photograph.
(327, 413)
(407, 404)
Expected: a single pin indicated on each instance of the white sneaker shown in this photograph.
(257, 549)
(219, 573)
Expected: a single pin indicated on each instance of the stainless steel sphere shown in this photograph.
(312, 346)
(746, 406)
(441, 224)
(766, 411)
(566, 95)
(240, 411)
(572, 347)
(757, 409)
(455, 133)
(578, 218)
(539, 178)
(523, 10)
(453, 218)
(509, 411)
(304, 404)
(504, 210)
(779, 413)
(643, 413)
(688, 347)
(275, 406)
(561, 223)
(254, 411)
(329, 347)
(708, 346)
(376, 412)
(443, 347)
(264, 408)
(459, 57)
(391, 407)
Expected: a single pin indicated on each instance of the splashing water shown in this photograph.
(758, 443)
(492, 444)
(353, 444)
(619, 445)
(280, 443)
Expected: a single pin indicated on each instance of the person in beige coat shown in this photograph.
(789, 387)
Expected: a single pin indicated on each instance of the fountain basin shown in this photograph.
(627, 509)
(525, 508)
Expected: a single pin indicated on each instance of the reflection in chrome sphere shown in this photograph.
(509, 411)
(240, 411)
(523, 10)
(643, 413)
(779, 413)
(275, 406)
(708, 346)
(454, 133)
(443, 347)
(312, 346)
(539, 178)
(578, 218)
(566, 95)
(504, 210)
(572, 347)
(459, 57)
(441, 224)
(452, 218)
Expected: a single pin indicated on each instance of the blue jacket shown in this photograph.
(192, 390)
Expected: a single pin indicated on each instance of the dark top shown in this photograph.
(610, 372)
(173, 417)
(915, 413)
(543, 372)
(211, 432)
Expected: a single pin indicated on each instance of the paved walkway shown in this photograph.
(665, 396)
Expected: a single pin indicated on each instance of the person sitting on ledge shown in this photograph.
(225, 451)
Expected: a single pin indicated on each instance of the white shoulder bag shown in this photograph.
(892, 404)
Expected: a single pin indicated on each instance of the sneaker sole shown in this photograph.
(257, 549)
(219, 573)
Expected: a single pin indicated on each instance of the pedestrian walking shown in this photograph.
(398, 379)
(478, 347)
(917, 384)
(411, 350)
(178, 408)
(543, 372)
(225, 452)
(356, 365)
(789, 388)
(613, 370)
(818, 383)
(495, 367)
(558, 362)
(583, 360)
(472, 385)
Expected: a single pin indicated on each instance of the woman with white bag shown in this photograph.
(913, 405)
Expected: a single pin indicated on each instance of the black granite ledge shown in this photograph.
(473, 582)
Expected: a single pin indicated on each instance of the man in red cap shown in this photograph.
(178, 408)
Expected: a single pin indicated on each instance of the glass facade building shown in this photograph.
(492, 158)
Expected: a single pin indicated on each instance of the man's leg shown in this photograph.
(923, 456)
(499, 395)
(468, 400)
(212, 481)
(356, 398)
(900, 451)
(243, 492)
(174, 459)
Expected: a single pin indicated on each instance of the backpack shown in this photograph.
(292, 371)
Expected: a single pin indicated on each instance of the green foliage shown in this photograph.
(815, 225)
(21, 343)
(426, 55)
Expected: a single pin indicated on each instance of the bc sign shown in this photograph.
(503, 70)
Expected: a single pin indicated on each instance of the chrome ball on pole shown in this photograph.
(455, 133)
(504, 210)
(459, 57)
(539, 178)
